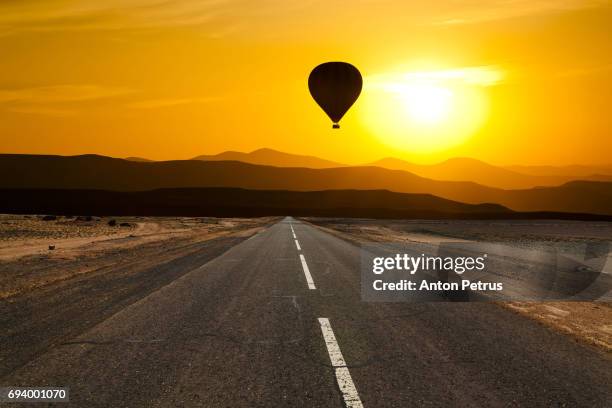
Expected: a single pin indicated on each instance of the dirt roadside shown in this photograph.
(81, 247)
(587, 322)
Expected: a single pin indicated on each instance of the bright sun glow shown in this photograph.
(427, 111)
(427, 104)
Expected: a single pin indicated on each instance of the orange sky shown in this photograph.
(530, 79)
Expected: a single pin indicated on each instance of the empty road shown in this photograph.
(277, 321)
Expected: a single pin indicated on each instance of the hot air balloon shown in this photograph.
(335, 86)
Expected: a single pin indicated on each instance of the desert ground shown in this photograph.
(589, 322)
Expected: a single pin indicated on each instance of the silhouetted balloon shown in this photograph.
(335, 86)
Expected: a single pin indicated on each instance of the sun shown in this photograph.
(426, 103)
(426, 111)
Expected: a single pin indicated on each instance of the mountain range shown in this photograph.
(105, 173)
(270, 157)
(462, 169)
(456, 169)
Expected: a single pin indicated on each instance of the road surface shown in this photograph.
(277, 321)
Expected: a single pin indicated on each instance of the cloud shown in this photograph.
(71, 15)
(583, 71)
(482, 75)
(476, 12)
(60, 93)
(226, 17)
(52, 100)
(486, 75)
(162, 103)
(43, 111)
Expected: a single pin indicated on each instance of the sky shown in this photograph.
(504, 81)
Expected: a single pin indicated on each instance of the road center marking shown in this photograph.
(297, 244)
(309, 280)
(343, 377)
(292, 231)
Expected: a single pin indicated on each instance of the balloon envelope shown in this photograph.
(335, 86)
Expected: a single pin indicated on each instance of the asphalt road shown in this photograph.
(269, 325)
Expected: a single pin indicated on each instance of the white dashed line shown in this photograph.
(297, 244)
(292, 231)
(309, 280)
(343, 377)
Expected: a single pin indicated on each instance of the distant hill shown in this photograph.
(138, 159)
(575, 171)
(456, 169)
(467, 169)
(98, 172)
(240, 202)
(269, 157)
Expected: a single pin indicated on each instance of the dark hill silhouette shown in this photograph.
(270, 157)
(240, 202)
(138, 159)
(467, 169)
(574, 171)
(98, 172)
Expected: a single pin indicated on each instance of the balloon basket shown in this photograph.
(335, 126)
